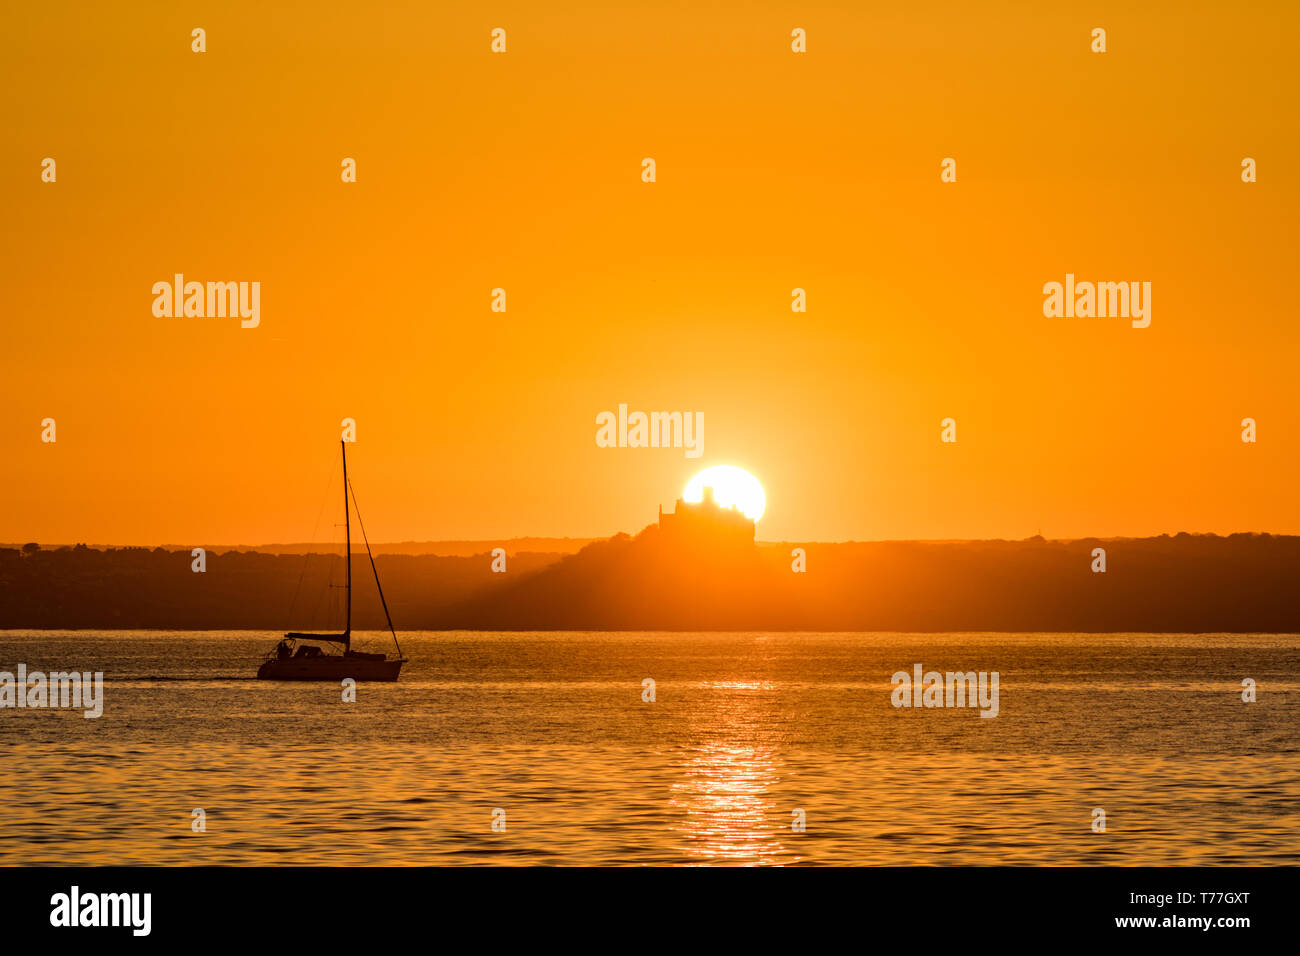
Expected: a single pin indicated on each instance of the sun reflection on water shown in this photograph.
(724, 802)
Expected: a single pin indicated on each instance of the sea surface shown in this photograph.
(745, 730)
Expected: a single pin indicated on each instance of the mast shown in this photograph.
(347, 552)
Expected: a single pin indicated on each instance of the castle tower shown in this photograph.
(705, 522)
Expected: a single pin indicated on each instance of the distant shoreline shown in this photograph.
(626, 630)
(465, 547)
(1181, 584)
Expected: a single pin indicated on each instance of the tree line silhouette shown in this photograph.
(1180, 583)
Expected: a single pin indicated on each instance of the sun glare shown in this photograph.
(731, 486)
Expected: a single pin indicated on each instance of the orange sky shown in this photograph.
(522, 170)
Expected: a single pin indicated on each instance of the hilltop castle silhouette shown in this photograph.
(705, 521)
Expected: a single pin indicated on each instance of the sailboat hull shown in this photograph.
(331, 668)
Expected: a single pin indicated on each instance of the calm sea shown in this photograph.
(746, 730)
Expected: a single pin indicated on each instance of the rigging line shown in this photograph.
(374, 569)
(306, 559)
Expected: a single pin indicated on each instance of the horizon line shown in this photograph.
(583, 541)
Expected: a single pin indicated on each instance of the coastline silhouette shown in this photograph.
(698, 568)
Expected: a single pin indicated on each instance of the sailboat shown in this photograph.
(299, 656)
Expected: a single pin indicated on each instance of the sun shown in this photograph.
(731, 486)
